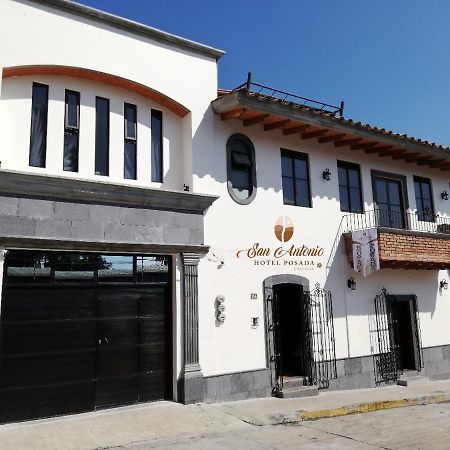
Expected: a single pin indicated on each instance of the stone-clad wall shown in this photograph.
(33, 218)
(237, 386)
(354, 373)
(437, 361)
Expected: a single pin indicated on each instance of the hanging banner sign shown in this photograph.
(366, 258)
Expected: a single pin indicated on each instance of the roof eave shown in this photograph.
(133, 27)
(240, 99)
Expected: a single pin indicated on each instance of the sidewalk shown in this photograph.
(273, 411)
(150, 423)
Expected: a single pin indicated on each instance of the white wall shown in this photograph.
(16, 106)
(235, 346)
(34, 34)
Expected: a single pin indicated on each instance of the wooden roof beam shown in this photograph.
(255, 120)
(435, 163)
(294, 130)
(278, 124)
(313, 134)
(394, 151)
(233, 114)
(421, 158)
(347, 142)
(363, 146)
(378, 149)
(334, 137)
(404, 156)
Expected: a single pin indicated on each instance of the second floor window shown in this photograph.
(157, 146)
(350, 193)
(241, 170)
(295, 176)
(39, 114)
(130, 124)
(102, 136)
(71, 131)
(424, 199)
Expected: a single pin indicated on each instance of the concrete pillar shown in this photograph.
(191, 386)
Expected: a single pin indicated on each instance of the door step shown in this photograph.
(411, 376)
(289, 382)
(298, 392)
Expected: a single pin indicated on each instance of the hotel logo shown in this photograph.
(284, 228)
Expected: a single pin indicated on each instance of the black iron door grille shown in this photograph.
(273, 341)
(319, 348)
(319, 310)
(386, 358)
(387, 365)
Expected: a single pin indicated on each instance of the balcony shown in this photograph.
(405, 240)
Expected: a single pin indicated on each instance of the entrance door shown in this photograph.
(81, 332)
(405, 332)
(389, 200)
(292, 326)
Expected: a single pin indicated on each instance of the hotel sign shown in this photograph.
(303, 255)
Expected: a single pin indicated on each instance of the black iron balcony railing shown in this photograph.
(400, 220)
(424, 222)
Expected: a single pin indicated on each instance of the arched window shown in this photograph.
(241, 169)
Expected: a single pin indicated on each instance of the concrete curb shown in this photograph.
(362, 408)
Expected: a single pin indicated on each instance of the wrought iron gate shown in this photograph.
(273, 341)
(385, 356)
(322, 367)
(320, 353)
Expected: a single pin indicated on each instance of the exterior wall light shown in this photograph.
(351, 283)
(326, 175)
(444, 195)
(443, 284)
(185, 188)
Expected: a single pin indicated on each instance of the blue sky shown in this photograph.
(388, 60)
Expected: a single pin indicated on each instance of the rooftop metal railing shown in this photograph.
(287, 97)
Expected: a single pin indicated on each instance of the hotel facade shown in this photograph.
(161, 238)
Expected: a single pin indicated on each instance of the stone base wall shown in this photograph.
(352, 373)
(437, 361)
(238, 386)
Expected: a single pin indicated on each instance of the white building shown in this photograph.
(161, 240)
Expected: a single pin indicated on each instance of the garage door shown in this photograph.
(83, 331)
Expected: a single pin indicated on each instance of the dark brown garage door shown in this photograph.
(81, 332)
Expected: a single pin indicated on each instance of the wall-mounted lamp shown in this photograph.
(444, 195)
(185, 188)
(326, 175)
(351, 283)
(220, 309)
(443, 284)
(255, 322)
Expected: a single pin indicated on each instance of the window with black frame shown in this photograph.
(157, 154)
(424, 199)
(295, 178)
(101, 136)
(350, 192)
(130, 144)
(39, 116)
(241, 169)
(71, 131)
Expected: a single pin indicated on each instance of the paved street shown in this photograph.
(419, 427)
(267, 423)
